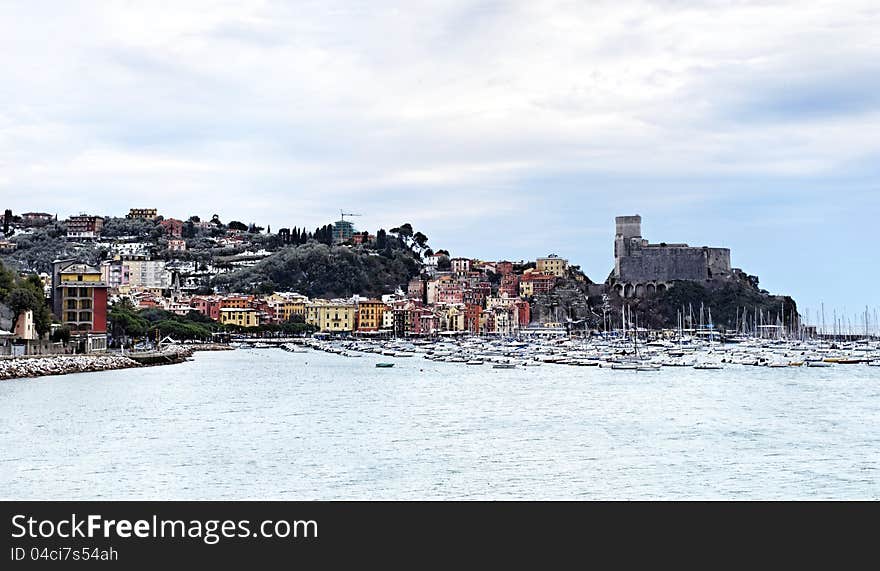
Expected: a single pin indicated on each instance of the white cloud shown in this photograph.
(284, 112)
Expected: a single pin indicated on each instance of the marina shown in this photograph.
(615, 352)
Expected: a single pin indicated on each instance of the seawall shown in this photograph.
(42, 365)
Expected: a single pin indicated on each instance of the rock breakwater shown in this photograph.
(38, 366)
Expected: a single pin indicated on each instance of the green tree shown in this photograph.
(61, 335)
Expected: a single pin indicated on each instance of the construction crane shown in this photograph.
(344, 214)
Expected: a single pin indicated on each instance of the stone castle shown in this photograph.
(642, 269)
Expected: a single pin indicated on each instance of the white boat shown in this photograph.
(708, 366)
(625, 367)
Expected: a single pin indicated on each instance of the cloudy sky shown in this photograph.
(500, 129)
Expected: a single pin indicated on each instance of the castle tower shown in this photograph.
(628, 228)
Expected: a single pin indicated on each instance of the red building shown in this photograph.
(173, 227)
(472, 318)
(504, 268)
(540, 282)
(81, 298)
(509, 285)
(524, 313)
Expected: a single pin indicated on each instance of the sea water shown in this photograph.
(268, 424)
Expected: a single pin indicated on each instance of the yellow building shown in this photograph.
(143, 213)
(238, 316)
(331, 316)
(552, 264)
(287, 310)
(287, 306)
(370, 314)
(454, 319)
(526, 288)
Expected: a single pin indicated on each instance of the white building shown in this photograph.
(148, 274)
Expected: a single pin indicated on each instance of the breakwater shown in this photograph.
(42, 365)
(38, 366)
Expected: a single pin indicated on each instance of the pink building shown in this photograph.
(450, 292)
(416, 289)
(209, 306)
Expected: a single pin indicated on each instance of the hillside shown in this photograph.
(726, 300)
(319, 270)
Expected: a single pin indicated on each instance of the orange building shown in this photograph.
(370, 315)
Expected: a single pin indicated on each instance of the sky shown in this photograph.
(499, 129)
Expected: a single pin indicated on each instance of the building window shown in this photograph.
(85, 315)
(71, 316)
(71, 304)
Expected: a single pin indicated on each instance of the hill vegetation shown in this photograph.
(19, 294)
(319, 270)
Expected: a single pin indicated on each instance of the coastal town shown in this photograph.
(142, 280)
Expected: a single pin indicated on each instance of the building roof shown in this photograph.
(80, 268)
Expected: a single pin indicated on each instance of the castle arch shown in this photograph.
(640, 290)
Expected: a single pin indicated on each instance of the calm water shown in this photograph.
(266, 424)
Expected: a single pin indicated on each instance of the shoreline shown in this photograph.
(33, 366)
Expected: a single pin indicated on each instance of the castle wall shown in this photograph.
(719, 262)
(664, 263)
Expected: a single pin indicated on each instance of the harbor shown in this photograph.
(607, 352)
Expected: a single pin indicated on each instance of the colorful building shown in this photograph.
(333, 317)
(81, 298)
(416, 289)
(114, 273)
(84, 226)
(509, 285)
(552, 264)
(207, 306)
(143, 213)
(173, 227)
(237, 302)
(503, 268)
(370, 315)
(533, 283)
(285, 307)
(239, 316)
